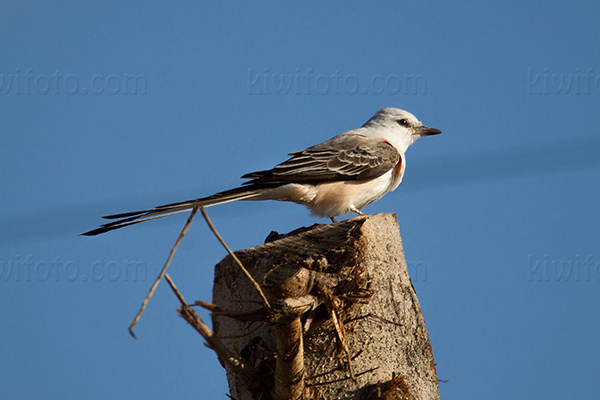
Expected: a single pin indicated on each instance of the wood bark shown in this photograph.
(345, 321)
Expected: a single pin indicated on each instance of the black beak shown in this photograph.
(427, 131)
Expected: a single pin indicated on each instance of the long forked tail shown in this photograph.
(135, 217)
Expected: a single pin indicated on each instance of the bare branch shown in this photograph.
(196, 322)
(238, 262)
(163, 271)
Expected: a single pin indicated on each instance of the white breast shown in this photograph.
(337, 198)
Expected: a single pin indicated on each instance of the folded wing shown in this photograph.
(345, 157)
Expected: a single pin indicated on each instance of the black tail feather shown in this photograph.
(125, 215)
(135, 217)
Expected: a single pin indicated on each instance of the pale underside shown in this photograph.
(335, 198)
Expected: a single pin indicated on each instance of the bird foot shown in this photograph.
(356, 210)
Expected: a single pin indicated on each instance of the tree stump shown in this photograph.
(345, 321)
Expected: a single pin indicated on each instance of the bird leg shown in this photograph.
(356, 210)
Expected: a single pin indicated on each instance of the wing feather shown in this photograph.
(349, 156)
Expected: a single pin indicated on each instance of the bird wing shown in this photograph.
(349, 156)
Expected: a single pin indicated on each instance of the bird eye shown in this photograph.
(403, 122)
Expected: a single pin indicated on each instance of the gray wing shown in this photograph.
(349, 156)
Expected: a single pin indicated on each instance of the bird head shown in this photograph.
(398, 127)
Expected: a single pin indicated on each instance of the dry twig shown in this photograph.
(341, 379)
(196, 322)
(237, 260)
(332, 307)
(163, 271)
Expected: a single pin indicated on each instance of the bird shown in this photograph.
(337, 177)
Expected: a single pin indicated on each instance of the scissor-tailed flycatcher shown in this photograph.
(336, 177)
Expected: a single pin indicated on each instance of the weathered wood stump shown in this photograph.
(345, 321)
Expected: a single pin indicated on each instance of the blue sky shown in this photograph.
(112, 107)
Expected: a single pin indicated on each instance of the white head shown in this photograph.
(398, 127)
